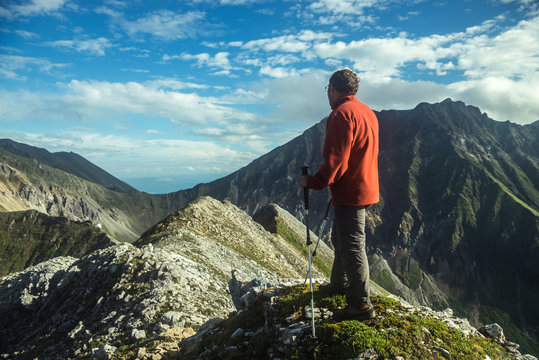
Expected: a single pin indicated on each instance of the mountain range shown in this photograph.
(458, 223)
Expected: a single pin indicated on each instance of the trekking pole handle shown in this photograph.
(304, 172)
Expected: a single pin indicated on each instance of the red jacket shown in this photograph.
(350, 152)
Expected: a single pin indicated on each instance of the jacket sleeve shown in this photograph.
(337, 145)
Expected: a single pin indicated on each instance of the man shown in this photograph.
(350, 169)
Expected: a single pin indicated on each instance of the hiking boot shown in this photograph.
(332, 289)
(364, 312)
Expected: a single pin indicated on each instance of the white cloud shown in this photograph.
(92, 46)
(32, 8)
(512, 53)
(153, 132)
(101, 102)
(238, 2)
(339, 7)
(219, 60)
(229, 2)
(26, 34)
(108, 11)
(339, 12)
(502, 98)
(383, 57)
(12, 65)
(138, 158)
(139, 98)
(531, 7)
(167, 24)
(285, 43)
(174, 84)
(283, 51)
(297, 99)
(234, 132)
(277, 72)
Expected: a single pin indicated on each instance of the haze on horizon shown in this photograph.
(181, 92)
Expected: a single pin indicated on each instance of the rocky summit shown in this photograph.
(114, 298)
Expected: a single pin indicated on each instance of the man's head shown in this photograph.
(342, 82)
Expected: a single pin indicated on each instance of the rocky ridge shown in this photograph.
(126, 297)
(230, 231)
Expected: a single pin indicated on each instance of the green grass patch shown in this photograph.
(514, 197)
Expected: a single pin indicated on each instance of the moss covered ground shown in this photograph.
(396, 331)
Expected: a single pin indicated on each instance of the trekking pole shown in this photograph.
(305, 171)
(319, 237)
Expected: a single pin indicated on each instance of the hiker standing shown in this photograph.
(350, 169)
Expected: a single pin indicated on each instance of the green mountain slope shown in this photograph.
(461, 199)
(30, 237)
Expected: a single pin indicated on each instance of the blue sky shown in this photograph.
(166, 94)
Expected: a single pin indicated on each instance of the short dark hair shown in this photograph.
(345, 81)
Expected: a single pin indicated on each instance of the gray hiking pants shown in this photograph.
(351, 266)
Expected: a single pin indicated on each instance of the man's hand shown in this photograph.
(303, 181)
